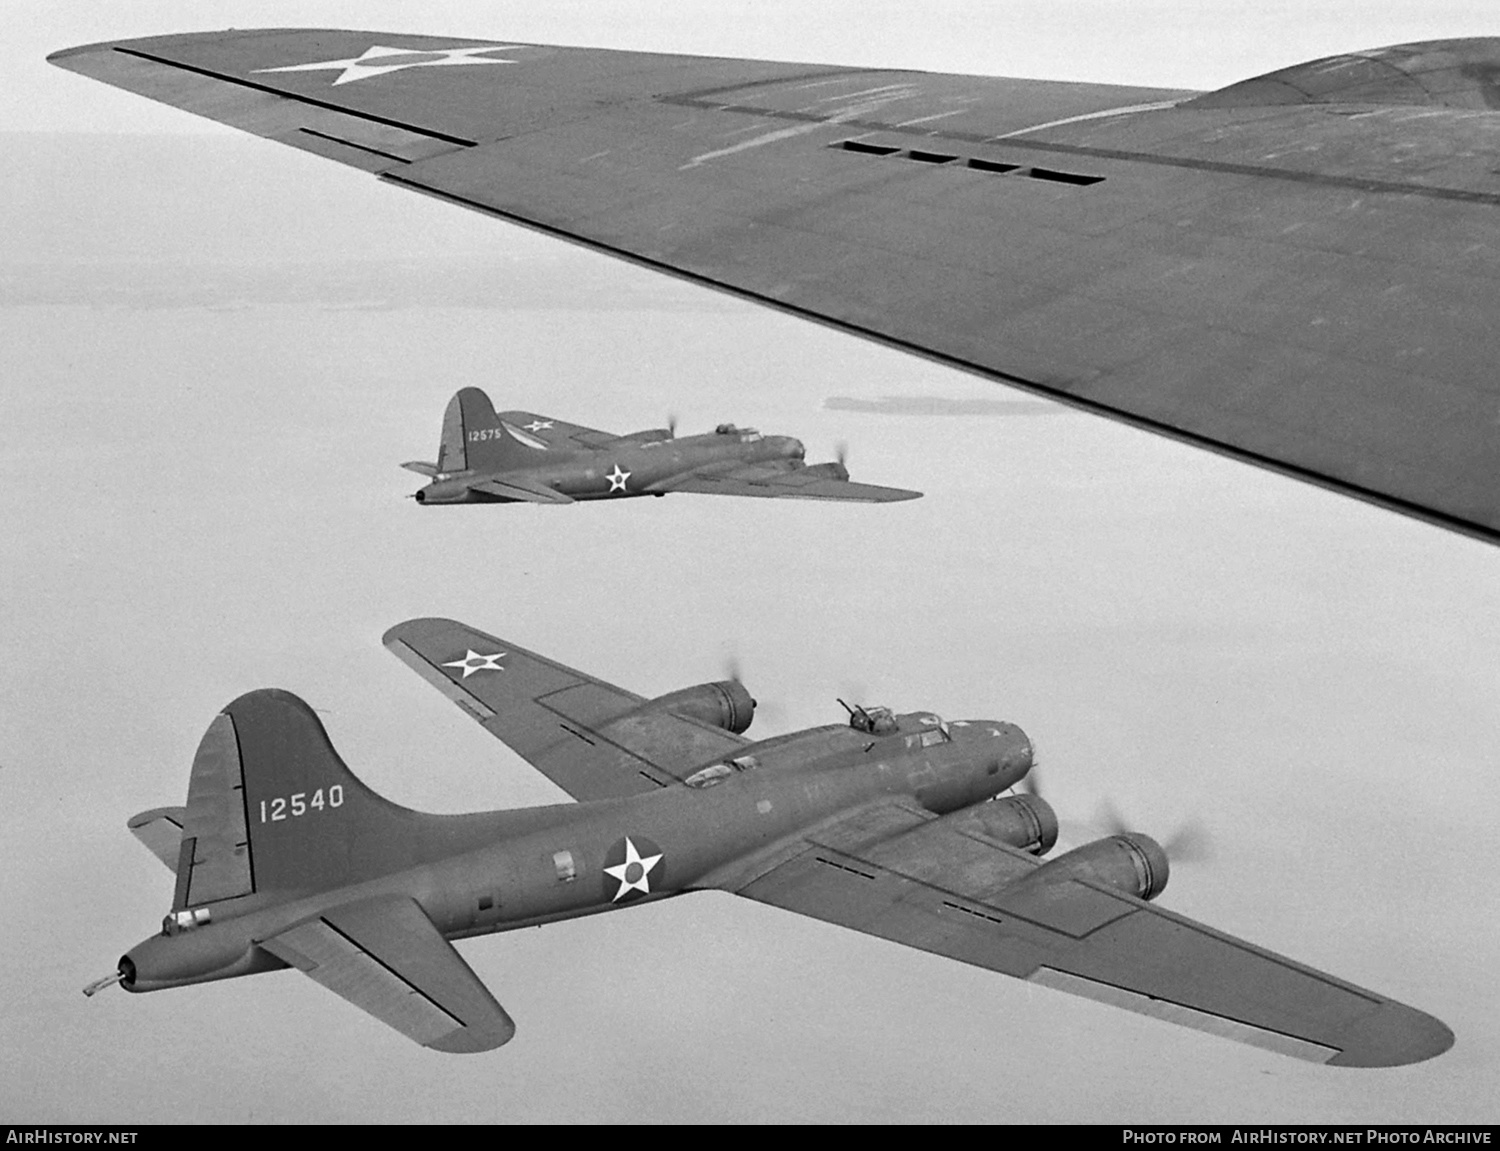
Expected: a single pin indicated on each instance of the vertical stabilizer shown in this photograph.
(475, 440)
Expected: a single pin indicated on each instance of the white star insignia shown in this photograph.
(473, 661)
(633, 858)
(378, 60)
(617, 479)
(538, 425)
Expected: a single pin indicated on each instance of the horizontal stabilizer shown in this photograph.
(160, 829)
(384, 956)
(521, 488)
(422, 469)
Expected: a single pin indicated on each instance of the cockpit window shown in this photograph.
(934, 737)
(750, 437)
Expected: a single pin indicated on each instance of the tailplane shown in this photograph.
(475, 440)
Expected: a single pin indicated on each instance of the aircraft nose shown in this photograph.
(792, 448)
(1014, 753)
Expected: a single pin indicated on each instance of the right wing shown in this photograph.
(384, 956)
(893, 870)
(592, 739)
(551, 432)
(776, 481)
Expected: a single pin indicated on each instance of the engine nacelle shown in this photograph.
(650, 436)
(724, 704)
(1132, 863)
(829, 471)
(1026, 822)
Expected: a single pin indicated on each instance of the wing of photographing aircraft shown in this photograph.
(895, 871)
(778, 480)
(1299, 270)
(592, 739)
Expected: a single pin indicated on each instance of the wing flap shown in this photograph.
(385, 957)
(943, 887)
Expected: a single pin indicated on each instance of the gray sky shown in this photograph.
(217, 352)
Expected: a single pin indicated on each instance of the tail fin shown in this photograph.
(475, 440)
(271, 807)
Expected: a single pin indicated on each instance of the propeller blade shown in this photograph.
(1190, 843)
(1031, 782)
(1111, 820)
(672, 424)
(841, 452)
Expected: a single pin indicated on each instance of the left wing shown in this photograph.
(384, 956)
(550, 432)
(592, 739)
(943, 885)
(775, 480)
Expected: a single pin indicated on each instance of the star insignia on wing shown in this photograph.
(634, 873)
(379, 59)
(538, 425)
(617, 479)
(473, 661)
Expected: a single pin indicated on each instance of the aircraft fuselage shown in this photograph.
(628, 467)
(502, 870)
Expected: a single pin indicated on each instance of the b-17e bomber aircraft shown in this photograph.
(485, 457)
(889, 824)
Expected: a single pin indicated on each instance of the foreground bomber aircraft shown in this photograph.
(487, 457)
(1299, 269)
(888, 825)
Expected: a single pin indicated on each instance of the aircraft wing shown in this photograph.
(894, 871)
(1298, 270)
(550, 432)
(777, 481)
(384, 956)
(592, 739)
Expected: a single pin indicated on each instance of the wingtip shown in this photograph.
(1394, 1035)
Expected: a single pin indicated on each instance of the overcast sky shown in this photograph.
(217, 352)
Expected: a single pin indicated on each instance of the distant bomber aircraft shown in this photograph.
(889, 824)
(484, 457)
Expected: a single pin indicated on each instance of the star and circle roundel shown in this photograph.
(633, 867)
